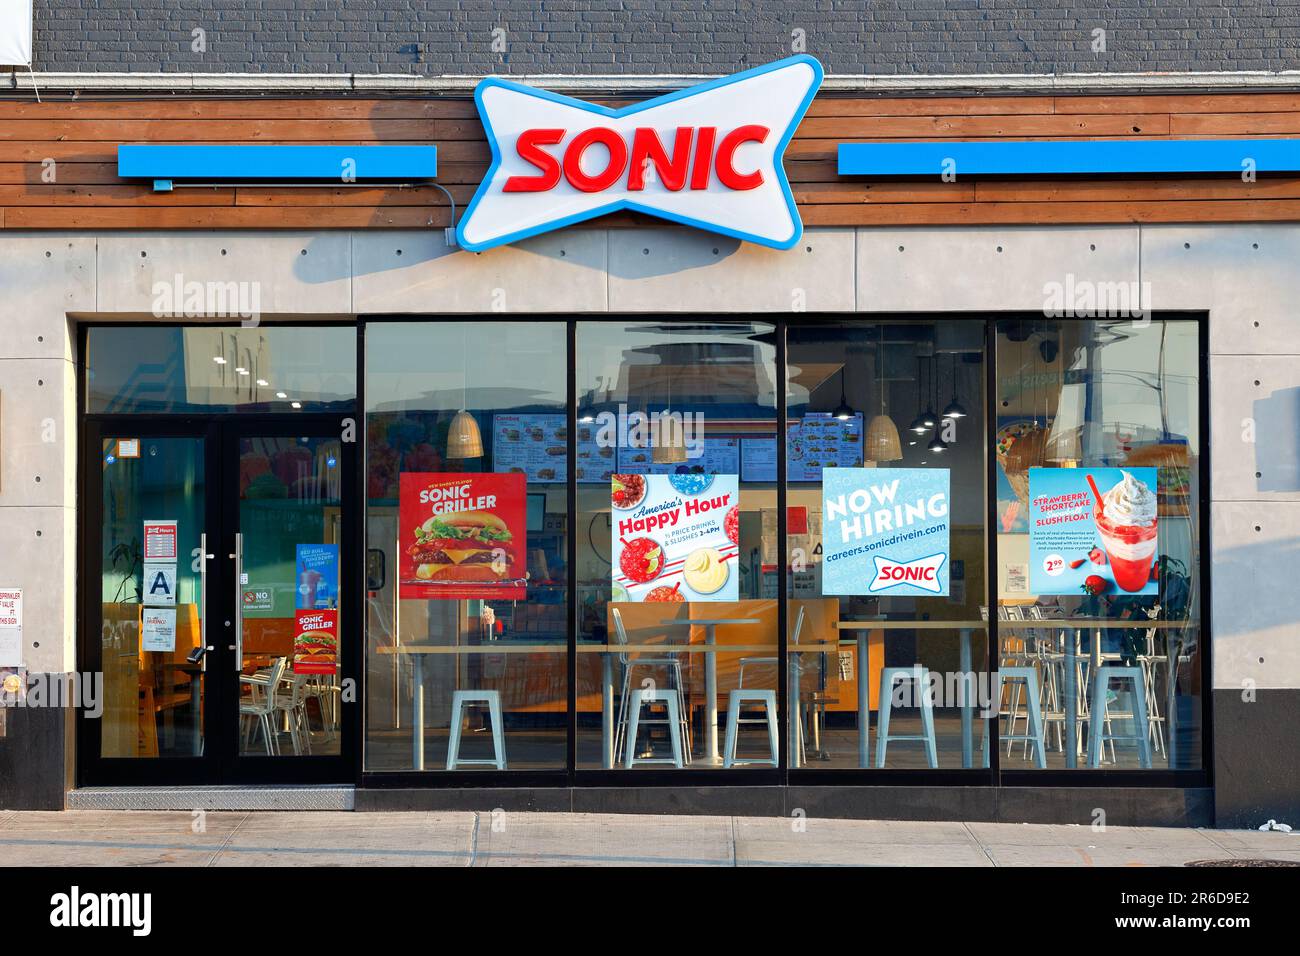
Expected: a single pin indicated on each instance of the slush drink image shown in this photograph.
(1126, 523)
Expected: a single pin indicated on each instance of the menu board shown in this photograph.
(721, 456)
(536, 445)
(533, 445)
(817, 441)
(595, 462)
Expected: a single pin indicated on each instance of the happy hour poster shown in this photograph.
(1082, 543)
(675, 537)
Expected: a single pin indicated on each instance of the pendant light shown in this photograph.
(954, 409)
(668, 440)
(937, 444)
(918, 423)
(928, 417)
(844, 411)
(464, 440)
(882, 433)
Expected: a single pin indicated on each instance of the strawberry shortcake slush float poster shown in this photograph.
(885, 531)
(1092, 531)
(675, 537)
(462, 536)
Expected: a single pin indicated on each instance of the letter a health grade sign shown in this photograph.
(709, 156)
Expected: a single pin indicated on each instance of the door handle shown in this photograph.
(204, 557)
(239, 602)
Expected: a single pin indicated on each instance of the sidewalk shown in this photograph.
(166, 838)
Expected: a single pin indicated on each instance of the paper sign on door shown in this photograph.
(160, 540)
(160, 585)
(158, 629)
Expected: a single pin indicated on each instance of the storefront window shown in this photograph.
(467, 531)
(677, 545)
(1097, 445)
(169, 369)
(886, 513)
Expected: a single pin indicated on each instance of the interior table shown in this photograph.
(1071, 626)
(418, 652)
(610, 651)
(863, 627)
(711, 676)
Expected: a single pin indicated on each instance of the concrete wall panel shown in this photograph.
(290, 272)
(1254, 421)
(42, 278)
(674, 270)
(39, 556)
(1255, 551)
(986, 267)
(418, 272)
(1248, 277)
(39, 432)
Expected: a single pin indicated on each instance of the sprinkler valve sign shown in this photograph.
(885, 531)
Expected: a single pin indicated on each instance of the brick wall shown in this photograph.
(663, 36)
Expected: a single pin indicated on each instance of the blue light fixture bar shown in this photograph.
(166, 164)
(1070, 157)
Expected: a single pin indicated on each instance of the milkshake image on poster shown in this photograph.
(675, 538)
(885, 531)
(1093, 530)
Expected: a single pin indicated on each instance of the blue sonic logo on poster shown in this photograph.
(885, 531)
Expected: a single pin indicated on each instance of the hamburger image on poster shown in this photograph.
(462, 535)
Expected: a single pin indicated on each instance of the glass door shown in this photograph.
(288, 483)
(147, 593)
(214, 563)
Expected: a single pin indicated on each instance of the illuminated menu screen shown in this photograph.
(720, 456)
(536, 445)
(817, 441)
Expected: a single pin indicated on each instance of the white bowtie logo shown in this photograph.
(922, 573)
(709, 156)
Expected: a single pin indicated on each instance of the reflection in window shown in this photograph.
(880, 668)
(1097, 507)
(466, 465)
(167, 369)
(677, 653)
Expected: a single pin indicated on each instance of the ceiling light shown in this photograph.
(464, 440)
(262, 383)
(281, 394)
(954, 409)
(844, 411)
(295, 404)
(220, 360)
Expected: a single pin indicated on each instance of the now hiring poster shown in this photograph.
(885, 531)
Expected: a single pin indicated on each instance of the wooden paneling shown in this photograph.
(58, 161)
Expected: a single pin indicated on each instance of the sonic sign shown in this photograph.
(709, 156)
